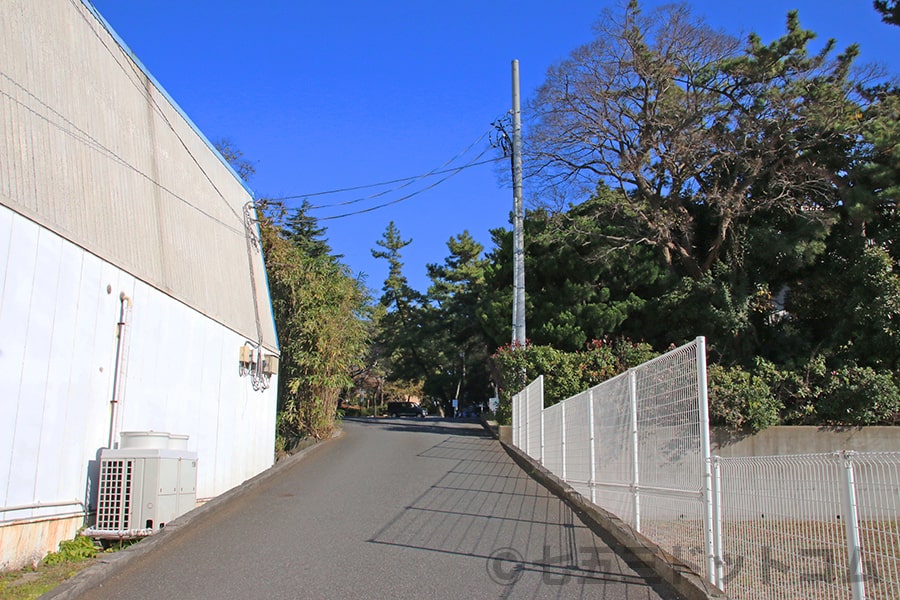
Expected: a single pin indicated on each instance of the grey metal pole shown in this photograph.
(527, 447)
(563, 437)
(593, 482)
(518, 217)
(851, 527)
(635, 450)
(703, 416)
(718, 521)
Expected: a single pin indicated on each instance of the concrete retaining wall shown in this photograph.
(805, 440)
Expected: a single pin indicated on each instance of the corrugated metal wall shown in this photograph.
(92, 150)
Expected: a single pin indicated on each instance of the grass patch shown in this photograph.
(32, 582)
(73, 556)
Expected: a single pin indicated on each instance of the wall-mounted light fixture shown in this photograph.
(246, 359)
(258, 366)
(270, 365)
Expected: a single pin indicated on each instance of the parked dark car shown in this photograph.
(470, 412)
(405, 409)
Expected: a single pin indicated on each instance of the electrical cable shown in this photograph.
(85, 138)
(416, 193)
(436, 171)
(407, 181)
(133, 69)
(454, 171)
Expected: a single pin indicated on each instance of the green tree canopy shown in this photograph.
(320, 312)
(698, 136)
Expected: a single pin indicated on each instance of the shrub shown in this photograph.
(859, 396)
(740, 400)
(796, 389)
(604, 359)
(78, 549)
(565, 373)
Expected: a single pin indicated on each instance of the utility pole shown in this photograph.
(518, 316)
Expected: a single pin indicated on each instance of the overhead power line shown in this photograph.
(405, 181)
(451, 172)
(373, 185)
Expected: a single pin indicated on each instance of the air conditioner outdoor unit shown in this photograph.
(142, 489)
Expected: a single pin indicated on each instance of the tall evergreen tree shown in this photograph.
(698, 136)
(305, 233)
(456, 292)
(400, 333)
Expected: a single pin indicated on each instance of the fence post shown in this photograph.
(526, 423)
(718, 522)
(520, 444)
(703, 417)
(635, 468)
(514, 409)
(593, 480)
(563, 436)
(542, 436)
(851, 526)
(541, 408)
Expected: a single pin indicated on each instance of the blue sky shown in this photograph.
(332, 95)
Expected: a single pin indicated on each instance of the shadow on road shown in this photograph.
(523, 537)
(439, 425)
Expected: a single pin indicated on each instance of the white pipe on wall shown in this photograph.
(124, 304)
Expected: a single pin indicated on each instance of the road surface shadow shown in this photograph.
(453, 427)
(519, 535)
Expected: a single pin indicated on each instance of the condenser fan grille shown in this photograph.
(114, 506)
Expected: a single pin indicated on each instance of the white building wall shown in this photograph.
(59, 310)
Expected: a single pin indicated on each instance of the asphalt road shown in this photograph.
(394, 508)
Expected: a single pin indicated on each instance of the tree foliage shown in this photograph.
(577, 290)
(235, 157)
(696, 136)
(565, 373)
(400, 334)
(436, 338)
(745, 192)
(890, 11)
(741, 400)
(320, 312)
(458, 294)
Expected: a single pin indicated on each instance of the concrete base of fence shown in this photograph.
(674, 572)
(500, 432)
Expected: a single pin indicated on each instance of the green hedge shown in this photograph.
(740, 399)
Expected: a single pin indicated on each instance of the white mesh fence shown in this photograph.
(877, 486)
(554, 440)
(577, 433)
(527, 407)
(614, 448)
(809, 526)
(672, 452)
(636, 445)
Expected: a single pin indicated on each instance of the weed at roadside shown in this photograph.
(73, 556)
